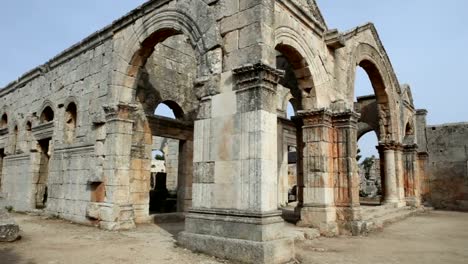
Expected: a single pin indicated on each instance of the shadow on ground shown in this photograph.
(9, 256)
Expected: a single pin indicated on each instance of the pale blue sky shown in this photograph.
(425, 40)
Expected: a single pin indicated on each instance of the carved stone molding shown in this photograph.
(119, 111)
(257, 76)
(316, 117)
(390, 146)
(348, 118)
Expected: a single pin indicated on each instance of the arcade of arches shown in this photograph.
(79, 135)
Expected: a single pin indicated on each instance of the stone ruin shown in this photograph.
(371, 184)
(77, 133)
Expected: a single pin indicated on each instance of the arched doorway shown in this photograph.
(295, 90)
(164, 124)
(369, 162)
(378, 113)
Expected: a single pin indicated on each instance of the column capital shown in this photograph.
(410, 148)
(395, 146)
(257, 75)
(119, 111)
(346, 118)
(321, 116)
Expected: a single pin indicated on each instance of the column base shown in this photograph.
(394, 202)
(323, 218)
(349, 220)
(413, 202)
(239, 236)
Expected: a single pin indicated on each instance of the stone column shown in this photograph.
(185, 176)
(390, 183)
(318, 193)
(235, 199)
(398, 148)
(411, 176)
(347, 176)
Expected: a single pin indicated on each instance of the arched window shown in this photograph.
(4, 121)
(70, 123)
(290, 110)
(169, 109)
(47, 115)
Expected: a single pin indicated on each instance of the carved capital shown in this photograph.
(348, 118)
(257, 76)
(390, 146)
(315, 117)
(410, 148)
(119, 111)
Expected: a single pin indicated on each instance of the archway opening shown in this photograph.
(47, 115)
(372, 105)
(291, 109)
(368, 159)
(168, 69)
(297, 87)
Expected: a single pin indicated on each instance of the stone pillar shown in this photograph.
(390, 183)
(411, 176)
(185, 176)
(235, 203)
(347, 176)
(318, 208)
(399, 171)
(424, 187)
(116, 211)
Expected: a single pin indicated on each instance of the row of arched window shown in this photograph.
(47, 115)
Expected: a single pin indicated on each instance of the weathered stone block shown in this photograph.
(9, 230)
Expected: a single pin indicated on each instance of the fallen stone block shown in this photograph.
(9, 230)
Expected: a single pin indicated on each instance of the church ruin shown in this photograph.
(77, 133)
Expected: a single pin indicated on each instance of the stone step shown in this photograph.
(300, 233)
(382, 211)
(392, 216)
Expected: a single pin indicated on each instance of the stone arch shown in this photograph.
(4, 120)
(368, 57)
(70, 121)
(364, 128)
(47, 112)
(294, 48)
(175, 107)
(155, 28)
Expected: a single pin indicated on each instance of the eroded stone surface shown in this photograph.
(9, 230)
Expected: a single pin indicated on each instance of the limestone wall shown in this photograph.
(448, 158)
(81, 79)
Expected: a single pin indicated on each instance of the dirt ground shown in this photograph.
(436, 237)
(53, 241)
